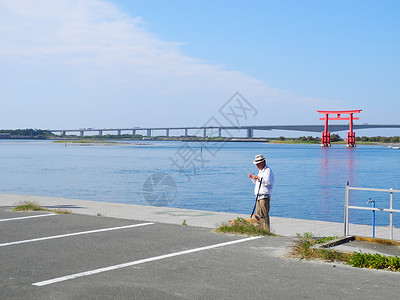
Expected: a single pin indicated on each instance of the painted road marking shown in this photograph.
(28, 217)
(141, 261)
(73, 234)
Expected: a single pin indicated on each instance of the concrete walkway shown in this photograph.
(282, 226)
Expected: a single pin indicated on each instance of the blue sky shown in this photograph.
(120, 63)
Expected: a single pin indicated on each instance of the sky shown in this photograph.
(69, 64)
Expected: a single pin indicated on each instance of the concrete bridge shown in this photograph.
(219, 130)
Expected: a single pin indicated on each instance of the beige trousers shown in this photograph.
(263, 206)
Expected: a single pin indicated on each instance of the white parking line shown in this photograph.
(137, 262)
(73, 234)
(27, 217)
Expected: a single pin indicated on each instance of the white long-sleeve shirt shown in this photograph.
(267, 182)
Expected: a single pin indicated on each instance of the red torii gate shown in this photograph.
(326, 135)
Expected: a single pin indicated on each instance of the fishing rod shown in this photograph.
(255, 204)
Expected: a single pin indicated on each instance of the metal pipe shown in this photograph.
(373, 216)
(346, 211)
(376, 209)
(391, 214)
(374, 190)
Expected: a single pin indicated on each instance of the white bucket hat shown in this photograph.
(259, 158)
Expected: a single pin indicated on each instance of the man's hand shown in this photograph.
(254, 177)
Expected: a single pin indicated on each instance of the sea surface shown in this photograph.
(310, 180)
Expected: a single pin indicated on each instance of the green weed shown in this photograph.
(374, 261)
(241, 226)
(302, 249)
(27, 206)
(34, 206)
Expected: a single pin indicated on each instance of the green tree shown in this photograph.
(335, 138)
(310, 138)
(302, 139)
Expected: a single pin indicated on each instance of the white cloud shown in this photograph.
(80, 63)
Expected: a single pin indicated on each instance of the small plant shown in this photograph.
(243, 226)
(325, 239)
(34, 206)
(27, 206)
(58, 211)
(302, 248)
(184, 222)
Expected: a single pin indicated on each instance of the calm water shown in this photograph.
(309, 180)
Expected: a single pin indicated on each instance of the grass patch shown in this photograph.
(302, 249)
(242, 226)
(34, 206)
(374, 261)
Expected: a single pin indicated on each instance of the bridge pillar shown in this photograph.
(149, 132)
(249, 133)
(205, 132)
(186, 132)
(100, 132)
(133, 131)
(118, 132)
(82, 133)
(167, 132)
(219, 132)
(63, 132)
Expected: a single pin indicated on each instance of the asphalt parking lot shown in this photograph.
(87, 257)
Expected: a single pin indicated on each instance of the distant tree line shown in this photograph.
(26, 133)
(379, 139)
(334, 138)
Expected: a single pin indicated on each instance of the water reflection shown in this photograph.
(336, 167)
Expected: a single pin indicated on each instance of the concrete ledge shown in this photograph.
(209, 219)
(336, 242)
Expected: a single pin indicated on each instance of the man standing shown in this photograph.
(264, 182)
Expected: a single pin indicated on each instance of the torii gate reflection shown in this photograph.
(326, 135)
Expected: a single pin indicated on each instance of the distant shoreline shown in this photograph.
(107, 140)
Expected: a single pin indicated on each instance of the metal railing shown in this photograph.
(347, 206)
